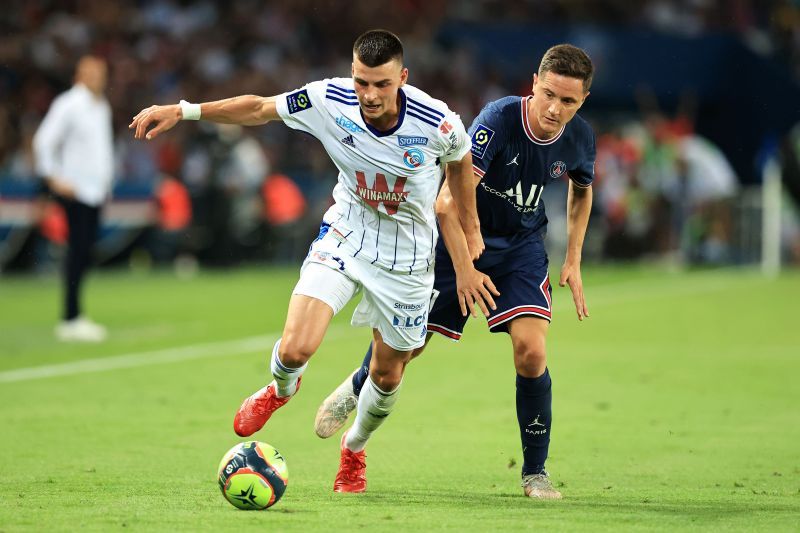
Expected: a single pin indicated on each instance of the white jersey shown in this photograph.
(74, 144)
(388, 180)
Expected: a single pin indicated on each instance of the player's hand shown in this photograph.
(162, 117)
(475, 245)
(61, 188)
(474, 287)
(571, 275)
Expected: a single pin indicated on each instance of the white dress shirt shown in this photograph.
(74, 144)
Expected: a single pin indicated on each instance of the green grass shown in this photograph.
(676, 406)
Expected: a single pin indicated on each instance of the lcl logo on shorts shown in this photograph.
(408, 322)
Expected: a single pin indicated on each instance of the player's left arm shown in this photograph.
(579, 205)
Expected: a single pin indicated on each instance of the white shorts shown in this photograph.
(394, 303)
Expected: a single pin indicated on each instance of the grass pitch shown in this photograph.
(676, 406)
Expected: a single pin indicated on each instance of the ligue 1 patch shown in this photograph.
(413, 157)
(480, 140)
(298, 101)
(410, 140)
(557, 169)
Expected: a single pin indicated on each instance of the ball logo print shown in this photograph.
(413, 158)
(253, 476)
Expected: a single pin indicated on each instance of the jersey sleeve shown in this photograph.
(583, 174)
(454, 136)
(303, 109)
(48, 138)
(484, 138)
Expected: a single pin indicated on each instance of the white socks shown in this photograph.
(285, 377)
(374, 405)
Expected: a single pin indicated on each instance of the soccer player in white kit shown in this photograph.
(388, 141)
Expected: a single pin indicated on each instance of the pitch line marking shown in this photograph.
(631, 291)
(153, 357)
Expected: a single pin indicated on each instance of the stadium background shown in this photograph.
(724, 74)
(676, 404)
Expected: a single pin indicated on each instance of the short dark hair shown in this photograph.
(570, 61)
(376, 47)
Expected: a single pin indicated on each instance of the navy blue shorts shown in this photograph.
(519, 274)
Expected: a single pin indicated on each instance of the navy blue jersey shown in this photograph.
(515, 166)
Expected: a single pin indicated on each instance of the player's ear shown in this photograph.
(403, 76)
(535, 81)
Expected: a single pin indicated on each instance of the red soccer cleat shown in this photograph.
(256, 409)
(352, 475)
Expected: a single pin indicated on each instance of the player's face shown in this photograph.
(93, 73)
(555, 101)
(376, 88)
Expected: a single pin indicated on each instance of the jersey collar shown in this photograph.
(378, 133)
(527, 127)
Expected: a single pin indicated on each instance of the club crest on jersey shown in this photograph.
(410, 140)
(480, 140)
(298, 101)
(557, 169)
(379, 193)
(349, 125)
(413, 158)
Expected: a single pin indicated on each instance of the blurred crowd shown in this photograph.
(223, 191)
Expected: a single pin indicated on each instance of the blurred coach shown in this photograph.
(73, 150)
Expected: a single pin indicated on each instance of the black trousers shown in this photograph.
(83, 221)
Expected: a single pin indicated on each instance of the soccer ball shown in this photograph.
(253, 475)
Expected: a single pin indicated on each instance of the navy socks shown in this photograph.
(360, 377)
(534, 413)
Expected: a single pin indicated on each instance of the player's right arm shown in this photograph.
(472, 285)
(246, 110)
(459, 174)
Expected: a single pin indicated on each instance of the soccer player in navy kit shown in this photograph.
(518, 146)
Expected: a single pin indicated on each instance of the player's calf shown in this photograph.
(333, 413)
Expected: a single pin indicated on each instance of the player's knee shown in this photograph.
(295, 352)
(529, 358)
(387, 377)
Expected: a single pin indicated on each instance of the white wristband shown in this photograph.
(189, 111)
